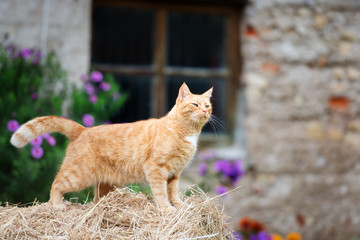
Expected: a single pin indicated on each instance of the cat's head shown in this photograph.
(193, 107)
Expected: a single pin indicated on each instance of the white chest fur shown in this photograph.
(192, 139)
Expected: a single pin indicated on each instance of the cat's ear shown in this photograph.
(184, 92)
(208, 93)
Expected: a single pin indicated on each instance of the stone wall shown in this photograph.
(67, 31)
(302, 82)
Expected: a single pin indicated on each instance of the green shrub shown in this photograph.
(33, 85)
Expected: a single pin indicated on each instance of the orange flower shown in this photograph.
(244, 223)
(276, 236)
(293, 236)
(256, 226)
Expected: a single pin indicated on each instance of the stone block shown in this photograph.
(327, 203)
(300, 147)
(68, 30)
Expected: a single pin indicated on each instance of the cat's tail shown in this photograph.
(41, 125)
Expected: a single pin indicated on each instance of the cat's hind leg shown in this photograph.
(67, 180)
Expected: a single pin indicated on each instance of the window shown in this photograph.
(152, 48)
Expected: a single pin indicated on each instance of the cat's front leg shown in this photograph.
(157, 179)
(173, 190)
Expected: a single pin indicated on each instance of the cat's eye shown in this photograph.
(207, 106)
(194, 104)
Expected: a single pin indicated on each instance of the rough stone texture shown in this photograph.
(68, 29)
(302, 82)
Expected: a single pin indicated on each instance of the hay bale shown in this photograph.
(122, 214)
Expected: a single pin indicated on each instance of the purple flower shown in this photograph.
(88, 120)
(237, 236)
(36, 142)
(10, 48)
(96, 76)
(202, 169)
(51, 141)
(220, 189)
(37, 57)
(25, 53)
(37, 152)
(260, 236)
(237, 171)
(89, 88)
(105, 86)
(15, 55)
(46, 135)
(93, 98)
(227, 168)
(116, 96)
(84, 77)
(231, 170)
(36, 61)
(34, 96)
(12, 125)
(219, 165)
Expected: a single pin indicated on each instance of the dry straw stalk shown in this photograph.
(122, 214)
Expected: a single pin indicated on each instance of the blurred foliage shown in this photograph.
(22, 178)
(33, 85)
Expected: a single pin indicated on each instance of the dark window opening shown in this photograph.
(151, 49)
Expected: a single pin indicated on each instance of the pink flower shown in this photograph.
(37, 152)
(12, 125)
(34, 96)
(202, 169)
(105, 86)
(46, 135)
(88, 120)
(36, 142)
(84, 77)
(51, 141)
(89, 88)
(93, 98)
(96, 76)
(25, 53)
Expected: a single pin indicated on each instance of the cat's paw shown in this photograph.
(178, 204)
(59, 207)
(168, 209)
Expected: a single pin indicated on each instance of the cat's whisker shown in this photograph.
(216, 124)
(217, 121)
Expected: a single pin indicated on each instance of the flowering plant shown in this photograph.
(221, 173)
(27, 91)
(250, 229)
(97, 101)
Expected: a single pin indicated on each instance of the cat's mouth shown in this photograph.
(204, 117)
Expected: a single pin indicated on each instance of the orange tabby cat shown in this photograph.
(154, 150)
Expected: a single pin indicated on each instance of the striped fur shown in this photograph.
(154, 150)
(41, 125)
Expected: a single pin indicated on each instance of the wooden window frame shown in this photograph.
(159, 71)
